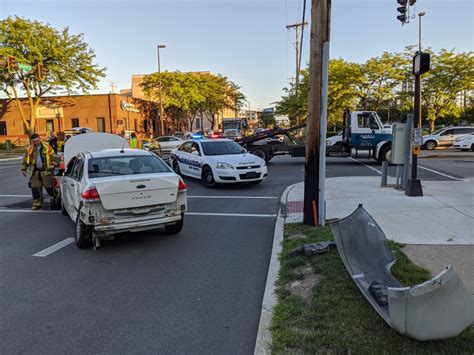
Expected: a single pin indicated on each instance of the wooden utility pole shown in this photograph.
(314, 208)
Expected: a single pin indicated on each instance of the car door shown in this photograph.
(77, 177)
(174, 142)
(365, 132)
(446, 137)
(67, 184)
(183, 157)
(196, 160)
(164, 143)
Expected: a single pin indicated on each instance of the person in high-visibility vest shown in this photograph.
(134, 142)
(41, 160)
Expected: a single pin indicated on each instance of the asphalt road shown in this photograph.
(197, 292)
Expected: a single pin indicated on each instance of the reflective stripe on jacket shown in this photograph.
(47, 156)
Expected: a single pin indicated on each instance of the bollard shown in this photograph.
(383, 182)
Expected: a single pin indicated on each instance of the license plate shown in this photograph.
(251, 175)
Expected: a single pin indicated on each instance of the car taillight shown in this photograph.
(90, 195)
(181, 186)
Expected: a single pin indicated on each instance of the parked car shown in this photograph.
(445, 137)
(334, 140)
(109, 191)
(217, 161)
(168, 143)
(465, 143)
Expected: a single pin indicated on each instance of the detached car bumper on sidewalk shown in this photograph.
(439, 308)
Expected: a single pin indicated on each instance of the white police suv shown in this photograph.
(217, 161)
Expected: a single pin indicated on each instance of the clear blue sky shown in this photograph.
(244, 40)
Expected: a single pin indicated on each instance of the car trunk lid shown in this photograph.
(137, 191)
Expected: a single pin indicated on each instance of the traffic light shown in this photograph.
(12, 64)
(402, 10)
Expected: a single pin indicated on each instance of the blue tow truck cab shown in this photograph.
(362, 131)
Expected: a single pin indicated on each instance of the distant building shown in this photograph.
(113, 113)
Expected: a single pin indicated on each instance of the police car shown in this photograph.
(217, 161)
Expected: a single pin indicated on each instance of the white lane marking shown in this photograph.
(9, 167)
(15, 195)
(25, 211)
(244, 197)
(229, 214)
(55, 247)
(367, 166)
(442, 174)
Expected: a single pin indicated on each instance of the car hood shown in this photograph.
(92, 142)
(236, 159)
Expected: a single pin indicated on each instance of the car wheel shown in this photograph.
(430, 145)
(472, 148)
(261, 153)
(175, 228)
(176, 167)
(208, 178)
(83, 235)
(386, 153)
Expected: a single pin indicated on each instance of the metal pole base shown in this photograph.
(414, 188)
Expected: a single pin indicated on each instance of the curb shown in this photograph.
(445, 156)
(264, 336)
(10, 159)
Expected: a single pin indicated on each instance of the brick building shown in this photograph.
(112, 113)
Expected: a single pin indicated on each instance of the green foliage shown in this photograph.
(68, 59)
(385, 84)
(185, 95)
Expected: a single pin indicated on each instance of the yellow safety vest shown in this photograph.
(48, 153)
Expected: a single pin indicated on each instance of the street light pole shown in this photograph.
(420, 15)
(162, 121)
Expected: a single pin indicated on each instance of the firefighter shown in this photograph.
(41, 160)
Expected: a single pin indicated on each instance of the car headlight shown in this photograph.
(224, 166)
(264, 163)
(461, 139)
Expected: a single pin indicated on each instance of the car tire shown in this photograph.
(261, 153)
(176, 167)
(208, 178)
(431, 145)
(83, 233)
(472, 148)
(175, 228)
(385, 153)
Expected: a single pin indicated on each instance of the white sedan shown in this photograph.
(169, 143)
(464, 143)
(109, 191)
(218, 161)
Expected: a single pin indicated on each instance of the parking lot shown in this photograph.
(196, 292)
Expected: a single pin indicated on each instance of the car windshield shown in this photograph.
(222, 148)
(125, 165)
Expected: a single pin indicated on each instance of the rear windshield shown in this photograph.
(222, 148)
(126, 165)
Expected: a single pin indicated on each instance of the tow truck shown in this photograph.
(362, 131)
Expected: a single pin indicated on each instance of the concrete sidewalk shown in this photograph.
(438, 228)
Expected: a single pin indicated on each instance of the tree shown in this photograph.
(449, 75)
(187, 94)
(68, 62)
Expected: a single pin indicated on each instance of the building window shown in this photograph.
(100, 124)
(49, 126)
(74, 122)
(3, 128)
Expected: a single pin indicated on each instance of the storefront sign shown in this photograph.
(128, 106)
